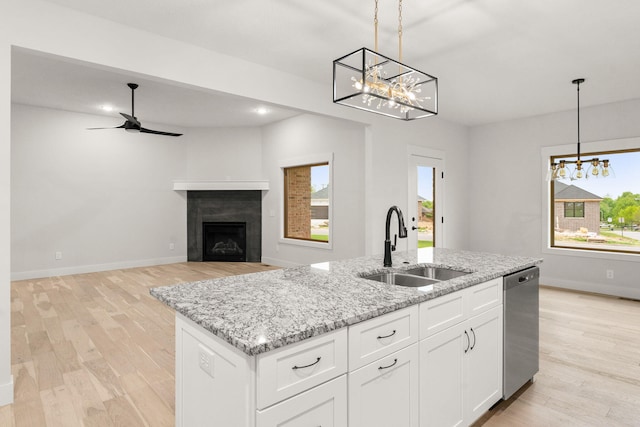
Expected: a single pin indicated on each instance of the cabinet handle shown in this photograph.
(474, 339)
(387, 367)
(468, 342)
(387, 336)
(307, 366)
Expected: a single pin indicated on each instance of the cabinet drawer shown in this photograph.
(440, 313)
(484, 296)
(295, 368)
(381, 336)
(325, 405)
(385, 393)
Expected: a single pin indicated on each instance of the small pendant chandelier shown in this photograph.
(595, 167)
(369, 81)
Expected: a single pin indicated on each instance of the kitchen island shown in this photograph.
(288, 346)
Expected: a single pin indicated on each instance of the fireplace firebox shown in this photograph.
(224, 241)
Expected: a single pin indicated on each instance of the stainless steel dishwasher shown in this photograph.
(521, 329)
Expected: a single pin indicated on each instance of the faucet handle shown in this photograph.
(395, 242)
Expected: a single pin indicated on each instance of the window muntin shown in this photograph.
(574, 209)
(307, 200)
(608, 222)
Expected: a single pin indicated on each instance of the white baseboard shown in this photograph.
(598, 288)
(80, 269)
(6, 392)
(279, 262)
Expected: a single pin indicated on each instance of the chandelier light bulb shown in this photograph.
(605, 172)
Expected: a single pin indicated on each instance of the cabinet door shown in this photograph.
(484, 363)
(324, 405)
(442, 363)
(385, 392)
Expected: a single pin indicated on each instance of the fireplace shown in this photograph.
(224, 207)
(224, 241)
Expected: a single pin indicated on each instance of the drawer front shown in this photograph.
(385, 393)
(440, 313)
(325, 405)
(295, 368)
(484, 296)
(381, 336)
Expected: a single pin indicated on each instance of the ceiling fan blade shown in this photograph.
(130, 119)
(157, 132)
(116, 127)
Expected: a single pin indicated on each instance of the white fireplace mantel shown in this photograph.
(220, 185)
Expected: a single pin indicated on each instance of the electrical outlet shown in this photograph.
(609, 274)
(58, 255)
(172, 246)
(205, 359)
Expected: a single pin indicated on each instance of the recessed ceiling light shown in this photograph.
(261, 110)
(107, 108)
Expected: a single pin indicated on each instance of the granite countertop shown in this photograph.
(263, 311)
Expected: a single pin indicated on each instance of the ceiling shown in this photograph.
(495, 59)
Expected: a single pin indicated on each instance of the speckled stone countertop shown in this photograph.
(263, 311)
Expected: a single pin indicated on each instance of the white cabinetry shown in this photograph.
(461, 355)
(384, 392)
(434, 364)
(300, 384)
(325, 405)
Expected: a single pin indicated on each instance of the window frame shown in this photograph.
(573, 209)
(567, 150)
(310, 160)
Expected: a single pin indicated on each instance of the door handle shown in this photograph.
(414, 227)
(468, 342)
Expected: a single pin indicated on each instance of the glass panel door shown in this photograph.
(424, 213)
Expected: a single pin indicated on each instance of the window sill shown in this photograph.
(591, 254)
(307, 243)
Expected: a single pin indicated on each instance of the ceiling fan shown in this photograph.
(132, 124)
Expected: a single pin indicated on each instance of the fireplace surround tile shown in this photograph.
(224, 206)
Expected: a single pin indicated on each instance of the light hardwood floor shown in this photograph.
(97, 350)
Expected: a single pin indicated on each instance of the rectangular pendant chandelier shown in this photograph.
(369, 81)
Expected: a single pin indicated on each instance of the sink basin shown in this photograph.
(401, 279)
(437, 273)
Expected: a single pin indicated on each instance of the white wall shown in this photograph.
(103, 198)
(224, 154)
(505, 193)
(304, 136)
(386, 180)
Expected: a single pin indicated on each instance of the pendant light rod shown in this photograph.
(595, 167)
(375, 27)
(578, 82)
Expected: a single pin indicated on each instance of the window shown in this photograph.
(598, 214)
(574, 209)
(307, 202)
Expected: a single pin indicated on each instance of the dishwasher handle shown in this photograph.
(521, 277)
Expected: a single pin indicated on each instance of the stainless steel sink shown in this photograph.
(401, 279)
(437, 273)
